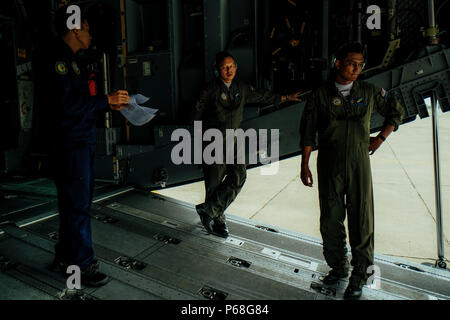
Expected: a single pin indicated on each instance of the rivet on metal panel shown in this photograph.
(236, 242)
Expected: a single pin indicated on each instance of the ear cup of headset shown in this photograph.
(332, 61)
(215, 71)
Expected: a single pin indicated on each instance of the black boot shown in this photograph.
(92, 277)
(355, 285)
(334, 276)
(353, 292)
(58, 266)
(206, 220)
(220, 229)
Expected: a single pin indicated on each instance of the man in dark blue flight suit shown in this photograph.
(75, 112)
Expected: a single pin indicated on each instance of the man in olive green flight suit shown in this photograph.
(340, 113)
(221, 106)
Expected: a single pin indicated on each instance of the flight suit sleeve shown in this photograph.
(386, 105)
(201, 104)
(308, 122)
(76, 101)
(264, 97)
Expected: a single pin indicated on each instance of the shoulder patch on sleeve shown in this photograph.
(384, 93)
(61, 68)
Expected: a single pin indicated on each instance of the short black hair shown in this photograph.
(60, 19)
(220, 56)
(349, 47)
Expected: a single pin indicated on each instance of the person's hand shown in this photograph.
(294, 96)
(294, 42)
(119, 97)
(118, 107)
(375, 143)
(306, 176)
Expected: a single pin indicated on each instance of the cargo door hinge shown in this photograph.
(212, 293)
(239, 262)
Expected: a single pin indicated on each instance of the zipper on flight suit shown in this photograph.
(346, 109)
(346, 156)
(231, 104)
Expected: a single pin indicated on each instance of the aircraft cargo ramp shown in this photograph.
(154, 247)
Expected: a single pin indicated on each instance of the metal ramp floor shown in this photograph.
(154, 247)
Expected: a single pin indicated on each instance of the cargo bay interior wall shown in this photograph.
(165, 50)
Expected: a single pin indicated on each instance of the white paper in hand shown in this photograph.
(137, 114)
